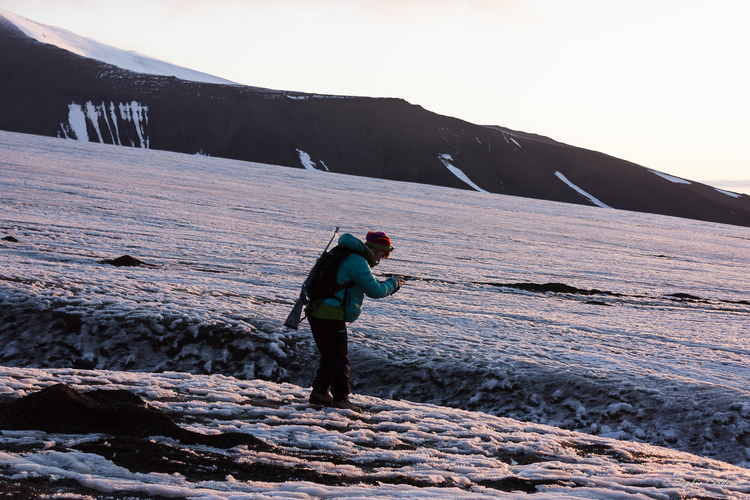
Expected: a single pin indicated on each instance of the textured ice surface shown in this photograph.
(645, 339)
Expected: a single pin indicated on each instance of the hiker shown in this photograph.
(328, 317)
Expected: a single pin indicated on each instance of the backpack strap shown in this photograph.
(345, 286)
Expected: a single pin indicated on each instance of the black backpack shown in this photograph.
(321, 282)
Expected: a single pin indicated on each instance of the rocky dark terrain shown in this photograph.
(48, 91)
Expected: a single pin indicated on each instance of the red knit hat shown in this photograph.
(379, 241)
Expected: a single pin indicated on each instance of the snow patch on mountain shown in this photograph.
(580, 191)
(80, 117)
(76, 126)
(511, 139)
(306, 160)
(138, 115)
(92, 49)
(728, 193)
(670, 178)
(446, 159)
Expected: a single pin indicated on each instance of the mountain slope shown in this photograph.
(46, 90)
(92, 49)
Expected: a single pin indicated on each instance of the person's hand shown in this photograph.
(399, 282)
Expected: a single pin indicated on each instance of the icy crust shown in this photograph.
(118, 340)
(393, 450)
(617, 324)
(246, 348)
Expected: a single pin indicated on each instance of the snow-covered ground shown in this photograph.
(646, 342)
(392, 450)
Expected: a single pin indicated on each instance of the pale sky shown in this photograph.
(661, 83)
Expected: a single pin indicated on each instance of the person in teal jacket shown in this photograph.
(328, 318)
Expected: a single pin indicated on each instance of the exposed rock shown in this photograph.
(125, 261)
(549, 288)
(62, 409)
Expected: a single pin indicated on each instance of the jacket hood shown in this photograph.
(346, 240)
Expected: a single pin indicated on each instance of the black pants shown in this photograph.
(333, 372)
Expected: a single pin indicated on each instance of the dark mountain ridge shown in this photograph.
(45, 90)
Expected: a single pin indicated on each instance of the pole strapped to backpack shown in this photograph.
(295, 316)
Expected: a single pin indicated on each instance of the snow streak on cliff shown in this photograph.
(124, 124)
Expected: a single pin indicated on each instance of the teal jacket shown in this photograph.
(347, 304)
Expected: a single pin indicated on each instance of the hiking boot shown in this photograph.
(346, 405)
(319, 399)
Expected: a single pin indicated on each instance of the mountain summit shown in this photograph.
(91, 92)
